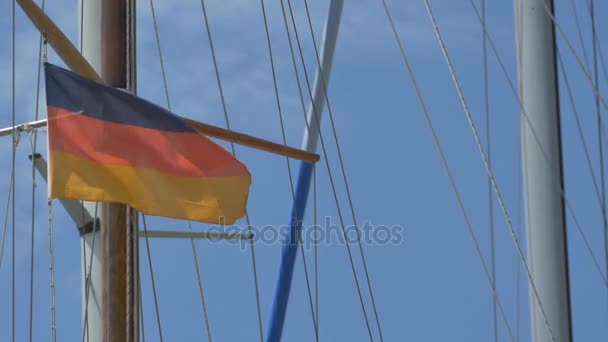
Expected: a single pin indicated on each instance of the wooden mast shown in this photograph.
(118, 221)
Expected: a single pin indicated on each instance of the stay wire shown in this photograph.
(520, 186)
(489, 171)
(446, 167)
(167, 97)
(599, 130)
(537, 140)
(233, 149)
(326, 159)
(599, 50)
(489, 149)
(299, 217)
(585, 149)
(160, 54)
(200, 283)
(579, 32)
(34, 145)
(13, 114)
(6, 215)
(141, 313)
(87, 279)
(52, 273)
(570, 47)
(316, 243)
(158, 321)
(325, 83)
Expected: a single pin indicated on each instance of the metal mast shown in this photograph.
(108, 43)
(542, 168)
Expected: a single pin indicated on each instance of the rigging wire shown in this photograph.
(579, 32)
(52, 273)
(167, 97)
(599, 130)
(485, 161)
(331, 180)
(316, 244)
(141, 313)
(593, 85)
(520, 187)
(34, 145)
(233, 149)
(8, 206)
(445, 165)
(599, 50)
(585, 149)
(160, 54)
(325, 83)
(489, 149)
(298, 216)
(87, 279)
(13, 62)
(533, 131)
(160, 330)
(200, 284)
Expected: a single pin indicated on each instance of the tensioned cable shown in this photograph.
(194, 252)
(576, 56)
(160, 54)
(316, 243)
(13, 62)
(602, 63)
(315, 310)
(446, 166)
(599, 130)
(525, 116)
(8, 206)
(34, 145)
(485, 161)
(87, 288)
(200, 284)
(281, 121)
(325, 155)
(520, 171)
(579, 32)
(160, 330)
(489, 149)
(325, 82)
(141, 314)
(599, 50)
(580, 131)
(233, 149)
(84, 252)
(52, 272)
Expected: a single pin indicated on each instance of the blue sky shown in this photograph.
(428, 287)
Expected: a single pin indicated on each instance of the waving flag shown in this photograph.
(110, 146)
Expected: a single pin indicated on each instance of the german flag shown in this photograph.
(110, 146)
